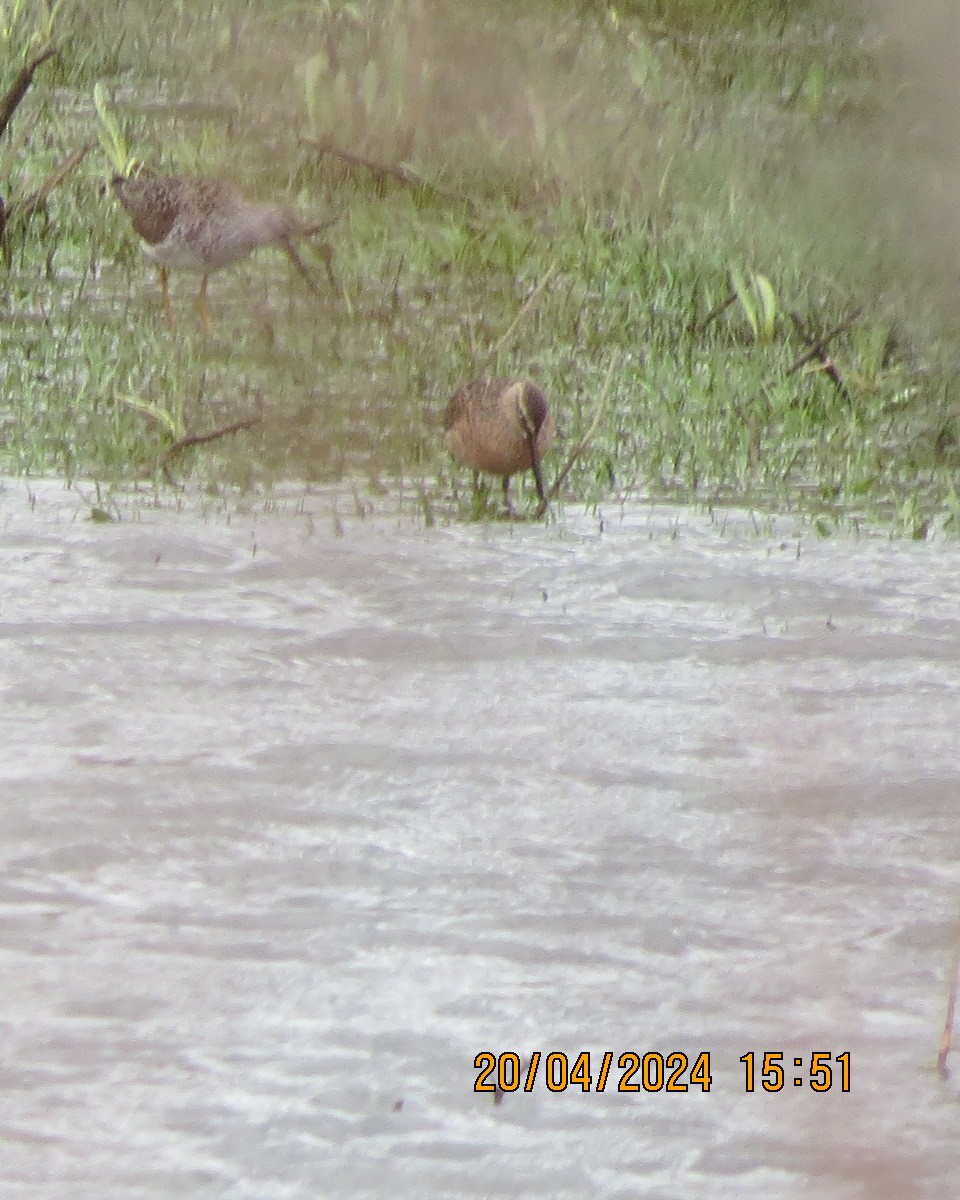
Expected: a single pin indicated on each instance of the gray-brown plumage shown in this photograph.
(500, 427)
(200, 223)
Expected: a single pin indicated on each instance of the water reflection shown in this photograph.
(295, 825)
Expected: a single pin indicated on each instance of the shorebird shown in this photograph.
(201, 223)
(500, 426)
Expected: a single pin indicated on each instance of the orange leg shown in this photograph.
(167, 306)
(203, 309)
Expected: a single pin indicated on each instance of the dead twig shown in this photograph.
(36, 201)
(387, 171)
(525, 308)
(716, 312)
(201, 439)
(817, 349)
(19, 87)
(946, 1042)
(309, 231)
(584, 441)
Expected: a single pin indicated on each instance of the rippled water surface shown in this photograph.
(293, 825)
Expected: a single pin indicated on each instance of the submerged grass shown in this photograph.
(654, 185)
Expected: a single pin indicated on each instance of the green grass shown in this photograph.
(649, 161)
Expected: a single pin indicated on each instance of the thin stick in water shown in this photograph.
(946, 1041)
(584, 441)
(38, 198)
(525, 308)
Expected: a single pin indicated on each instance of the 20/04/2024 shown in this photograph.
(649, 1072)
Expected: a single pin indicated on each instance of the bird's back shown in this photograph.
(152, 203)
(199, 222)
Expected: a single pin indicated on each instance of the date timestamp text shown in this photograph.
(651, 1071)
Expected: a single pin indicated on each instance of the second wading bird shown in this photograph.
(200, 223)
(500, 427)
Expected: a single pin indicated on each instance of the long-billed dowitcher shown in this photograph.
(201, 223)
(500, 426)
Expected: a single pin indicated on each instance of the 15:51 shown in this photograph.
(825, 1070)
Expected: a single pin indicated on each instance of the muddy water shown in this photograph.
(294, 825)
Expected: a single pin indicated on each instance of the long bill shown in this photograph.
(535, 463)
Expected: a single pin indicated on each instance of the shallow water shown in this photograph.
(294, 825)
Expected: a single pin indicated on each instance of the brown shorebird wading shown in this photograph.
(200, 224)
(500, 426)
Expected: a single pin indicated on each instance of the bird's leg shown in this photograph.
(167, 306)
(507, 503)
(326, 253)
(537, 473)
(203, 308)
